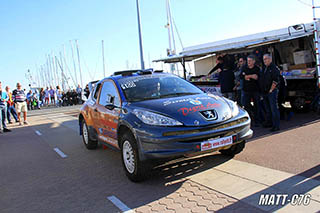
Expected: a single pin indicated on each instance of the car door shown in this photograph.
(107, 121)
(92, 105)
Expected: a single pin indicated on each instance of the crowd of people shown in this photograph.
(249, 82)
(50, 96)
(12, 104)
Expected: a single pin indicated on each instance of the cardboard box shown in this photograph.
(298, 66)
(302, 57)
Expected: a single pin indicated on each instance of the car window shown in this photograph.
(96, 93)
(109, 94)
(141, 88)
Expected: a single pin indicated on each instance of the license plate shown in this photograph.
(215, 143)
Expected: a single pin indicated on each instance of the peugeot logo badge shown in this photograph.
(209, 115)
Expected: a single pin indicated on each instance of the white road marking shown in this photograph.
(38, 133)
(119, 204)
(60, 152)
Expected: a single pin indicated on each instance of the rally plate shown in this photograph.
(216, 143)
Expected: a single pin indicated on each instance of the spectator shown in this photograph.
(19, 98)
(226, 80)
(87, 91)
(269, 84)
(35, 99)
(64, 99)
(79, 92)
(41, 97)
(47, 96)
(74, 96)
(250, 75)
(52, 96)
(59, 96)
(238, 81)
(29, 100)
(3, 110)
(10, 107)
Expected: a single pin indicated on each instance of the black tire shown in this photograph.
(233, 150)
(298, 104)
(90, 144)
(135, 169)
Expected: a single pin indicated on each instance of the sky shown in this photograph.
(34, 30)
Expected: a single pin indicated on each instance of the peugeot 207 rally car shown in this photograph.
(152, 116)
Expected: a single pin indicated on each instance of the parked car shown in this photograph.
(150, 116)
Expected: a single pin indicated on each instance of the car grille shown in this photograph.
(215, 136)
(206, 129)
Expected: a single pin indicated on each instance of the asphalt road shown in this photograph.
(36, 178)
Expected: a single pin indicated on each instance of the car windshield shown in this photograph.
(140, 88)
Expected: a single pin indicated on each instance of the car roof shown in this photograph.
(130, 73)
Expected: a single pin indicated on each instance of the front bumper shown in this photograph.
(157, 143)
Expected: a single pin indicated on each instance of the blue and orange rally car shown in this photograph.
(149, 116)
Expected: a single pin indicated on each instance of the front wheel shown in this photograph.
(135, 169)
(233, 150)
(90, 144)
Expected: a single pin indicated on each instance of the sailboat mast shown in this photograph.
(168, 27)
(74, 64)
(171, 28)
(140, 36)
(54, 71)
(62, 74)
(48, 72)
(79, 63)
(67, 68)
(104, 66)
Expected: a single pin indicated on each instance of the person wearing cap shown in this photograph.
(19, 99)
(3, 110)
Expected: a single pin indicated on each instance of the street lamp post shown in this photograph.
(140, 39)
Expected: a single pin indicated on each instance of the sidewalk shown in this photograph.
(236, 186)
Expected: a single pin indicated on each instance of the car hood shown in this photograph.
(187, 109)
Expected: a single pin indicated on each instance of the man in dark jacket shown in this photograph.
(238, 81)
(250, 75)
(269, 85)
(226, 80)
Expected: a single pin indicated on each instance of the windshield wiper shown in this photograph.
(178, 94)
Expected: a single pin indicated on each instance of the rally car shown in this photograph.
(150, 116)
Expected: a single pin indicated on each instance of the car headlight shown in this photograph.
(155, 119)
(233, 107)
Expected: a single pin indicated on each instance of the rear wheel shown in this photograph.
(233, 150)
(136, 170)
(90, 144)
